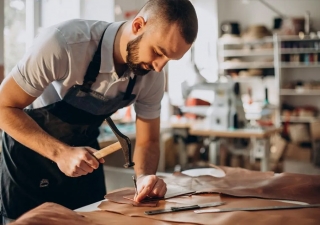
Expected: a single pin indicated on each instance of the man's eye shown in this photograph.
(158, 54)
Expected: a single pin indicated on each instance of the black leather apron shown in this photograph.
(29, 179)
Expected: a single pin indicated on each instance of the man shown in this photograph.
(75, 75)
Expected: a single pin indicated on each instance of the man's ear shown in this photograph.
(138, 25)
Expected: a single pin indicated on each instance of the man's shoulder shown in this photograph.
(154, 78)
(78, 30)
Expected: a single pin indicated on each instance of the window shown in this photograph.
(14, 32)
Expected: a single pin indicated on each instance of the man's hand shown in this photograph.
(77, 161)
(151, 186)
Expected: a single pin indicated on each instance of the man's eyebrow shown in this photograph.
(163, 51)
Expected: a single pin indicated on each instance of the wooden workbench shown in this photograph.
(260, 139)
(238, 188)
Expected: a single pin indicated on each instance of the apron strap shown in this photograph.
(93, 72)
(130, 87)
(94, 67)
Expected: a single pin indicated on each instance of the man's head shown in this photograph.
(162, 30)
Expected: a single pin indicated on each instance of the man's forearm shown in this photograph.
(146, 158)
(24, 129)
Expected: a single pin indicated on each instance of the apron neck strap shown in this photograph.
(130, 87)
(94, 66)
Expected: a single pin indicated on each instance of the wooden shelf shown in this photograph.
(239, 41)
(298, 119)
(297, 38)
(244, 65)
(247, 52)
(299, 92)
(299, 65)
(252, 79)
(299, 50)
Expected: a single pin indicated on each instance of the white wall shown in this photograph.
(125, 7)
(256, 13)
(53, 11)
(97, 10)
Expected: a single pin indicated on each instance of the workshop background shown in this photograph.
(247, 94)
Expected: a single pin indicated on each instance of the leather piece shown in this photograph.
(195, 199)
(145, 202)
(54, 214)
(246, 183)
(102, 217)
(121, 195)
(274, 217)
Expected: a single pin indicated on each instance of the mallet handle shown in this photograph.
(107, 150)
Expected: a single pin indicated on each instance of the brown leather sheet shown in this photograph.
(51, 214)
(125, 196)
(246, 183)
(54, 214)
(309, 216)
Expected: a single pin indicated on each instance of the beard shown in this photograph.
(133, 57)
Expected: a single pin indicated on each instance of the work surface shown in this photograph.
(238, 188)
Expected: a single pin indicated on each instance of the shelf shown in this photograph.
(239, 41)
(299, 50)
(298, 119)
(297, 38)
(299, 65)
(250, 79)
(248, 52)
(249, 65)
(299, 92)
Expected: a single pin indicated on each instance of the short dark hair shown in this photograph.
(181, 12)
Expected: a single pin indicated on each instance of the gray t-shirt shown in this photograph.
(59, 58)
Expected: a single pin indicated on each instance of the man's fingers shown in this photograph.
(163, 191)
(145, 190)
(90, 159)
(87, 168)
(143, 194)
(158, 189)
(92, 150)
(79, 172)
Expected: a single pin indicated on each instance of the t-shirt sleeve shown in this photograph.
(148, 105)
(45, 61)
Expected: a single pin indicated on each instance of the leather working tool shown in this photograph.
(123, 142)
(257, 208)
(183, 208)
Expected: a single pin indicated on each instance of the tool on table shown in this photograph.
(123, 142)
(183, 208)
(135, 186)
(257, 208)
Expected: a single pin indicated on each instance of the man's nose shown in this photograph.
(158, 64)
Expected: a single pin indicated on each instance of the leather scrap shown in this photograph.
(308, 216)
(246, 183)
(54, 214)
(125, 196)
(149, 202)
(103, 217)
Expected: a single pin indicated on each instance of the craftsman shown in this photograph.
(75, 75)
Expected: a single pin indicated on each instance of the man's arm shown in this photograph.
(146, 158)
(13, 120)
